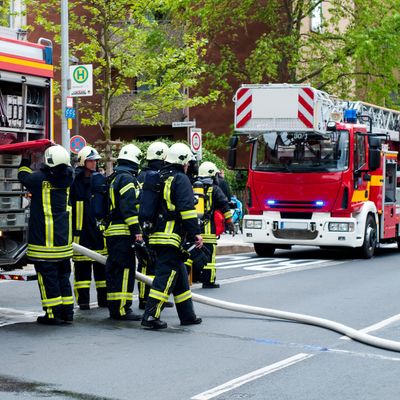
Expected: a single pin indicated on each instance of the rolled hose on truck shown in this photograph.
(268, 312)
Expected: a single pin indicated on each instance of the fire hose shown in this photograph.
(268, 312)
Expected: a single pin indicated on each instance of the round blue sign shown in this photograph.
(77, 143)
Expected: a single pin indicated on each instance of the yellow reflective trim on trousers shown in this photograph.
(158, 295)
(67, 300)
(188, 214)
(207, 228)
(119, 296)
(100, 284)
(126, 188)
(69, 211)
(55, 301)
(167, 193)
(132, 220)
(124, 290)
(42, 288)
(183, 297)
(48, 216)
(189, 262)
(142, 285)
(116, 230)
(79, 215)
(82, 284)
(25, 169)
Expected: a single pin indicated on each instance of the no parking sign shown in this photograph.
(196, 142)
(77, 143)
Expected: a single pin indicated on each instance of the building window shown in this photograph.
(316, 17)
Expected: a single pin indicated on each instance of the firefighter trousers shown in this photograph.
(120, 274)
(170, 277)
(55, 288)
(146, 267)
(83, 278)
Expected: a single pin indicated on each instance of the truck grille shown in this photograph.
(300, 234)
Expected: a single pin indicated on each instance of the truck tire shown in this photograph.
(367, 250)
(264, 250)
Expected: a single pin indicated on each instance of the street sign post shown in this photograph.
(81, 77)
(196, 142)
(184, 124)
(77, 143)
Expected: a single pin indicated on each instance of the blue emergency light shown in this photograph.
(350, 116)
(270, 202)
(319, 203)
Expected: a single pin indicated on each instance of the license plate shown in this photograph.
(294, 225)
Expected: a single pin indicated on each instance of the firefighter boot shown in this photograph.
(210, 285)
(186, 313)
(148, 320)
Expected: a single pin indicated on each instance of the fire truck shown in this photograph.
(322, 171)
(26, 119)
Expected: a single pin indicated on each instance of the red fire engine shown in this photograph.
(322, 172)
(26, 119)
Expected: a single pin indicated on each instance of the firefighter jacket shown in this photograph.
(85, 229)
(50, 233)
(178, 217)
(124, 202)
(215, 199)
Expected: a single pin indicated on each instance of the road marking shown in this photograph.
(377, 326)
(234, 383)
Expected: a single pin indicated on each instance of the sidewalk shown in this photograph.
(228, 244)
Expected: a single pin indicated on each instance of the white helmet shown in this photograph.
(131, 153)
(208, 168)
(56, 155)
(87, 153)
(157, 151)
(179, 153)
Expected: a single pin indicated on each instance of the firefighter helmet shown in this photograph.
(56, 155)
(208, 168)
(179, 153)
(130, 152)
(157, 151)
(87, 153)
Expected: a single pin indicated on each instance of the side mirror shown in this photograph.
(233, 142)
(374, 159)
(374, 153)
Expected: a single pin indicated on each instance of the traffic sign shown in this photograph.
(77, 143)
(184, 124)
(70, 113)
(81, 77)
(70, 102)
(196, 142)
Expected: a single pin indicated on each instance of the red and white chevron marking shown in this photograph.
(243, 107)
(306, 107)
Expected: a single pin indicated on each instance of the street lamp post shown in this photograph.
(65, 134)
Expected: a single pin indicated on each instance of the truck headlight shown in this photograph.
(341, 226)
(253, 223)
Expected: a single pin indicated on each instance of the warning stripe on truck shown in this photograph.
(18, 276)
(243, 107)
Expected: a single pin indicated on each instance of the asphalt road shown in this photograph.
(230, 355)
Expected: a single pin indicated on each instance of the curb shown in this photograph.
(224, 250)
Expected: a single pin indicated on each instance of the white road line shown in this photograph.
(252, 260)
(377, 326)
(234, 383)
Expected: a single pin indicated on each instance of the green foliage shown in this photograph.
(353, 54)
(136, 49)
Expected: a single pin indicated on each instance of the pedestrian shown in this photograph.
(87, 232)
(155, 156)
(50, 236)
(214, 200)
(178, 220)
(122, 232)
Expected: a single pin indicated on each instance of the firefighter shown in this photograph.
(214, 199)
(50, 237)
(122, 231)
(178, 221)
(155, 156)
(86, 231)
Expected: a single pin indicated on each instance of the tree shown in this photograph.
(133, 45)
(353, 50)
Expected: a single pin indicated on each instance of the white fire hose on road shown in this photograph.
(268, 312)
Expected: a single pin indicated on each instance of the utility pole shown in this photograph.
(65, 134)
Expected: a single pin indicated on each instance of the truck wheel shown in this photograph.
(264, 250)
(367, 250)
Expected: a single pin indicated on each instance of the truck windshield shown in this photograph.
(301, 152)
